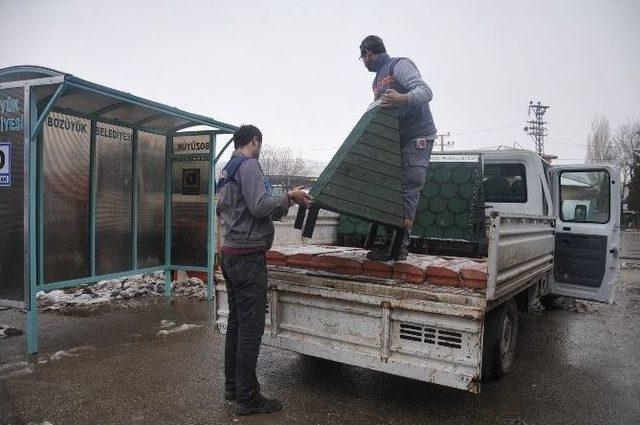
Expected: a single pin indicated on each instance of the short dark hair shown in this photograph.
(372, 43)
(244, 134)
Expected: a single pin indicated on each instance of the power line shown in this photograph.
(566, 143)
(484, 130)
(536, 128)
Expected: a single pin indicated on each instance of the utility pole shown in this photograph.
(536, 128)
(442, 142)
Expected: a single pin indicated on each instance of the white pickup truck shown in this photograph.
(550, 230)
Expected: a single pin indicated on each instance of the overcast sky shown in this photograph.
(291, 68)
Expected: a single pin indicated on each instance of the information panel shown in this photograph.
(12, 194)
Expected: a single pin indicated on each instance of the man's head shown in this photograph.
(248, 139)
(370, 48)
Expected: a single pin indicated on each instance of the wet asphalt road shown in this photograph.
(574, 366)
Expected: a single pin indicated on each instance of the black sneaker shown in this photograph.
(383, 254)
(260, 405)
(230, 395)
(378, 255)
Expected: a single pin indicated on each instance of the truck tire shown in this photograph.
(500, 337)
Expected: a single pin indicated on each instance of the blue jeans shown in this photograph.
(246, 278)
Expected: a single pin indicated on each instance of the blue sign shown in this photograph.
(5, 164)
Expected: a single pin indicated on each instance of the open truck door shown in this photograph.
(587, 207)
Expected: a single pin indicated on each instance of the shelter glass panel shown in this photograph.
(190, 193)
(151, 158)
(114, 198)
(12, 194)
(66, 156)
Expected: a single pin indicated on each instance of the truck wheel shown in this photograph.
(501, 334)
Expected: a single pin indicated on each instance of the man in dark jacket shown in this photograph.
(398, 84)
(246, 208)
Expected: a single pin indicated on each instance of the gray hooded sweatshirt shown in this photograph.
(246, 208)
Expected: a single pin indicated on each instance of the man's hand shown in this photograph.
(392, 99)
(300, 197)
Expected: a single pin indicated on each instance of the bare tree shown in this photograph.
(599, 145)
(282, 161)
(626, 140)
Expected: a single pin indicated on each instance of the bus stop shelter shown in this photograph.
(99, 184)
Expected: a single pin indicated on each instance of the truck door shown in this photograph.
(587, 207)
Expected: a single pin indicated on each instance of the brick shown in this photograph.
(303, 256)
(443, 280)
(380, 274)
(276, 262)
(346, 262)
(474, 270)
(413, 269)
(379, 269)
(441, 267)
(277, 255)
(474, 283)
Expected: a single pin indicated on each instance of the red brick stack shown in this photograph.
(417, 269)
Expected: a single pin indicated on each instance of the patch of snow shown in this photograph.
(60, 354)
(73, 352)
(181, 328)
(164, 323)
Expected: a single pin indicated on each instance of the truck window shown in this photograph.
(584, 196)
(505, 183)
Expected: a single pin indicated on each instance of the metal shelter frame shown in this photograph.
(47, 90)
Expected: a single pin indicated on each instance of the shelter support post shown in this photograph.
(134, 201)
(211, 218)
(168, 201)
(93, 190)
(31, 260)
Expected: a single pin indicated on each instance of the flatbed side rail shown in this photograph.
(520, 248)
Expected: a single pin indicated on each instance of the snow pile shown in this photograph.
(133, 287)
(189, 287)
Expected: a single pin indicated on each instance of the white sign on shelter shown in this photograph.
(5, 164)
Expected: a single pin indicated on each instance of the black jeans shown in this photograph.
(246, 278)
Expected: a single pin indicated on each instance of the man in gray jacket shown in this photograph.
(246, 207)
(398, 84)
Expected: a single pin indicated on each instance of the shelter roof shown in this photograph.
(91, 100)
